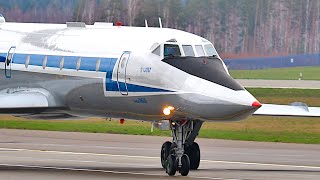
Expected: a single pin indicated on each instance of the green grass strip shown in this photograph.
(308, 73)
(139, 128)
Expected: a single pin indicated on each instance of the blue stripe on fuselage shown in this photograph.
(138, 88)
(3, 57)
(36, 60)
(87, 64)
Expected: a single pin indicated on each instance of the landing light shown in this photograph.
(167, 110)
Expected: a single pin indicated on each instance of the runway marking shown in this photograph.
(77, 153)
(104, 171)
(100, 147)
(81, 161)
(149, 157)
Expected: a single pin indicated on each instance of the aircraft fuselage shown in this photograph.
(121, 72)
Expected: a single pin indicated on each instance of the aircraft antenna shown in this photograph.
(146, 22)
(160, 22)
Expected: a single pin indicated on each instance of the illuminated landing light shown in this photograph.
(256, 104)
(167, 110)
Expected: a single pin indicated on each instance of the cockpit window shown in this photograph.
(1, 15)
(200, 50)
(156, 51)
(210, 50)
(188, 50)
(171, 50)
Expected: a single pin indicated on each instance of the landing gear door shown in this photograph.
(8, 62)
(122, 73)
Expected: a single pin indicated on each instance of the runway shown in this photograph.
(259, 83)
(67, 155)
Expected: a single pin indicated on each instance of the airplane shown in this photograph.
(66, 71)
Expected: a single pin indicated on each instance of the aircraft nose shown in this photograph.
(235, 106)
(256, 104)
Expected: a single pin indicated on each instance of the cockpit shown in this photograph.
(172, 49)
(1, 15)
(199, 59)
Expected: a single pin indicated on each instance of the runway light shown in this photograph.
(167, 110)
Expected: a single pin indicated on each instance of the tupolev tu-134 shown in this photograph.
(62, 71)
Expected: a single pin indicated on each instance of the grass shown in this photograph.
(269, 129)
(291, 130)
(286, 96)
(309, 73)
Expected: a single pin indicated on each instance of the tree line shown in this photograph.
(236, 27)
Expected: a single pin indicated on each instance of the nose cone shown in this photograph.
(243, 98)
(256, 104)
(232, 106)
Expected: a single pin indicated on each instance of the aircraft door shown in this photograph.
(122, 73)
(8, 62)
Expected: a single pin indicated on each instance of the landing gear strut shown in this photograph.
(182, 154)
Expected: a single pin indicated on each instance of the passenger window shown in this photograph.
(200, 50)
(78, 63)
(210, 50)
(27, 61)
(156, 51)
(44, 63)
(171, 50)
(188, 50)
(98, 65)
(61, 63)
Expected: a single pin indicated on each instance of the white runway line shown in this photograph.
(148, 157)
(81, 161)
(103, 171)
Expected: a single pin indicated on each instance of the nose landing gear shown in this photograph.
(180, 155)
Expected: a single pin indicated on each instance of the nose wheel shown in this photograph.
(176, 156)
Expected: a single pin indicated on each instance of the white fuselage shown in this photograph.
(117, 72)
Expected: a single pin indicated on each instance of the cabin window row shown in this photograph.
(66, 62)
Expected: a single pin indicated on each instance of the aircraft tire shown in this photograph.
(193, 152)
(185, 165)
(171, 165)
(165, 152)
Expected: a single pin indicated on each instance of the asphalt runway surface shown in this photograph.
(259, 83)
(46, 155)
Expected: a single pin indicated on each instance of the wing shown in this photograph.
(294, 109)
